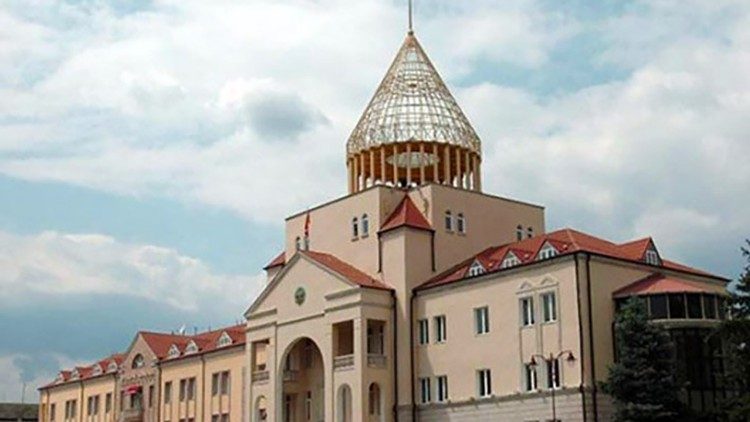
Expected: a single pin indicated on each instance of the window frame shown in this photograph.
(530, 378)
(484, 383)
(527, 311)
(425, 390)
(549, 315)
(482, 320)
(441, 331)
(460, 223)
(423, 331)
(365, 225)
(442, 389)
(448, 221)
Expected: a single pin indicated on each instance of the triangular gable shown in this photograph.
(224, 340)
(476, 269)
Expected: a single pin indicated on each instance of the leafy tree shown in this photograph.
(736, 335)
(642, 381)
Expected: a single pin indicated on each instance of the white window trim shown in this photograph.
(441, 331)
(191, 348)
(528, 312)
(511, 260)
(547, 252)
(481, 320)
(442, 388)
(224, 340)
(484, 383)
(423, 331)
(174, 351)
(425, 390)
(460, 223)
(530, 384)
(545, 311)
(476, 269)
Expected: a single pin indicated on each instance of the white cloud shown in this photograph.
(23, 374)
(69, 265)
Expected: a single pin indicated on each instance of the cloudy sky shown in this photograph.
(150, 148)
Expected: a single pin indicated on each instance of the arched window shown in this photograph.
(365, 225)
(355, 227)
(448, 221)
(298, 243)
(460, 223)
(519, 232)
(344, 406)
(374, 394)
(139, 361)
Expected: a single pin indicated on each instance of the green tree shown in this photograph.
(736, 335)
(642, 381)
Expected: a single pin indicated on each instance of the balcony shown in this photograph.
(376, 361)
(131, 415)
(343, 362)
(260, 376)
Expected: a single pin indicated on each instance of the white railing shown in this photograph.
(260, 376)
(376, 361)
(343, 362)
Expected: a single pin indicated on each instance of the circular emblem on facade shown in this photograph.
(299, 295)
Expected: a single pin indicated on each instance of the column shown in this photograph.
(421, 163)
(408, 164)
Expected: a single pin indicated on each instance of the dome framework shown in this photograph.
(413, 131)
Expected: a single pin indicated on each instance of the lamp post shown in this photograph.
(554, 375)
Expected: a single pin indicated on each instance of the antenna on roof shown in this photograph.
(182, 330)
(411, 18)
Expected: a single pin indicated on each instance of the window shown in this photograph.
(365, 225)
(374, 394)
(548, 251)
(224, 340)
(510, 260)
(424, 390)
(476, 269)
(448, 221)
(215, 384)
(482, 320)
(460, 223)
(183, 390)
(442, 389)
(527, 311)
(553, 373)
(139, 361)
(652, 257)
(52, 409)
(225, 417)
(484, 383)
(355, 227)
(424, 331)
(530, 383)
(298, 243)
(658, 307)
(694, 306)
(519, 232)
(308, 405)
(191, 348)
(214, 418)
(530, 232)
(225, 385)
(168, 392)
(150, 396)
(108, 403)
(549, 307)
(440, 329)
(174, 351)
(709, 306)
(191, 389)
(90, 406)
(676, 306)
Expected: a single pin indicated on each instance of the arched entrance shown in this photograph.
(302, 378)
(344, 404)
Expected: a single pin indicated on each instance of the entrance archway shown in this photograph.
(302, 378)
(344, 404)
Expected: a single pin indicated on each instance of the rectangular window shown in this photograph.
(308, 406)
(694, 306)
(676, 306)
(424, 390)
(90, 406)
(709, 306)
(440, 329)
(484, 383)
(108, 403)
(658, 307)
(482, 320)
(214, 418)
(97, 401)
(74, 408)
(527, 311)
(530, 383)
(224, 383)
(150, 396)
(225, 417)
(191, 389)
(215, 384)
(549, 305)
(168, 392)
(553, 374)
(52, 412)
(424, 331)
(442, 389)
(183, 389)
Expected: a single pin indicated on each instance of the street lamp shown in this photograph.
(554, 375)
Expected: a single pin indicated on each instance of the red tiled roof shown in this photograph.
(406, 214)
(345, 270)
(659, 283)
(279, 260)
(566, 241)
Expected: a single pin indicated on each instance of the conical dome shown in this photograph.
(413, 132)
(412, 103)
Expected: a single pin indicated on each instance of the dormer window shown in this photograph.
(75, 375)
(97, 370)
(461, 223)
(652, 257)
(448, 221)
(519, 232)
(476, 269)
(138, 361)
(355, 228)
(365, 225)
(191, 348)
(224, 340)
(510, 260)
(548, 251)
(174, 351)
(60, 377)
(112, 367)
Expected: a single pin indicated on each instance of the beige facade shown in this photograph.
(416, 297)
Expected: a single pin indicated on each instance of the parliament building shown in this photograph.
(415, 297)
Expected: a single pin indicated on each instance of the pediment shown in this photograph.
(299, 288)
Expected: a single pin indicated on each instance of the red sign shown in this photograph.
(132, 389)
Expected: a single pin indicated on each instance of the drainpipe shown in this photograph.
(581, 387)
(594, 401)
(411, 355)
(203, 387)
(393, 357)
